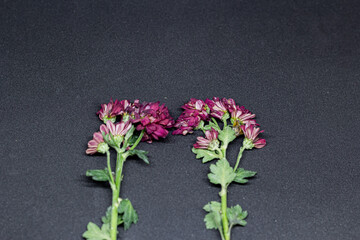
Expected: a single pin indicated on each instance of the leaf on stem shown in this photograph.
(140, 153)
(213, 220)
(98, 175)
(206, 155)
(95, 233)
(236, 216)
(227, 135)
(130, 133)
(212, 125)
(241, 174)
(129, 214)
(212, 206)
(132, 140)
(221, 173)
(107, 217)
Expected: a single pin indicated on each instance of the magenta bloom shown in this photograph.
(251, 137)
(196, 107)
(123, 107)
(210, 141)
(229, 104)
(194, 111)
(97, 144)
(242, 116)
(217, 107)
(119, 129)
(152, 117)
(186, 124)
(109, 111)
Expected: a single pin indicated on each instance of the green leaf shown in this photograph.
(213, 220)
(140, 153)
(98, 175)
(227, 135)
(107, 217)
(213, 206)
(241, 174)
(236, 215)
(205, 154)
(212, 125)
(129, 214)
(95, 233)
(200, 126)
(130, 133)
(132, 140)
(221, 173)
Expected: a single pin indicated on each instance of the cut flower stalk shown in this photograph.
(236, 121)
(123, 137)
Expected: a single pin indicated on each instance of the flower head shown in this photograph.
(194, 111)
(97, 144)
(241, 116)
(229, 104)
(109, 111)
(251, 137)
(152, 117)
(196, 107)
(119, 129)
(217, 107)
(210, 141)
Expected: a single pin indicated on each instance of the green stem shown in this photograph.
(225, 124)
(225, 222)
(223, 149)
(138, 139)
(116, 191)
(242, 148)
(109, 169)
(216, 123)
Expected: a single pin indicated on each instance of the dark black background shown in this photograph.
(296, 64)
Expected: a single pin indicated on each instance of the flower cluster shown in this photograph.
(154, 119)
(194, 111)
(210, 141)
(197, 110)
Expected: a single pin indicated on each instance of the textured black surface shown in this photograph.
(296, 64)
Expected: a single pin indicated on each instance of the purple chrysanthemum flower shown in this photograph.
(210, 141)
(109, 111)
(194, 111)
(242, 116)
(217, 107)
(251, 137)
(152, 117)
(119, 129)
(97, 144)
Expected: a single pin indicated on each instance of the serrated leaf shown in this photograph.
(213, 220)
(132, 140)
(212, 206)
(130, 133)
(98, 174)
(221, 173)
(242, 174)
(212, 125)
(236, 215)
(95, 233)
(206, 155)
(107, 217)
(129, 214)
(200, 126)
(227, 135)
(140, 153)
